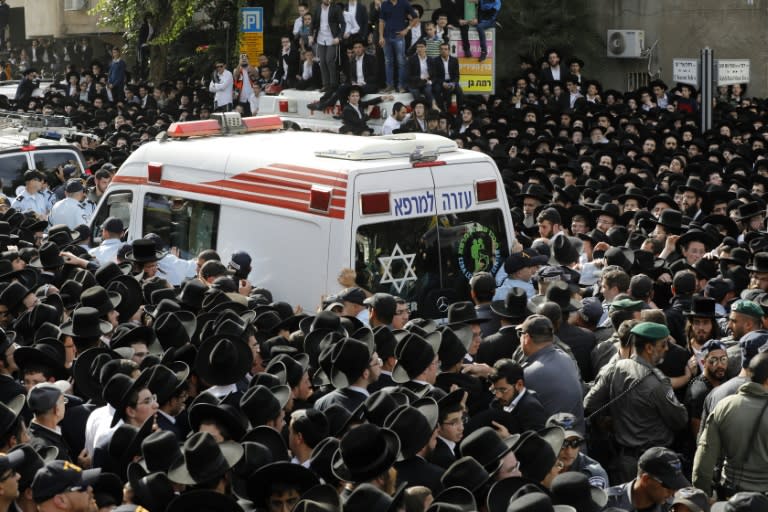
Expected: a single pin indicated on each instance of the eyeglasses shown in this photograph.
(152, 399)
(499, 391)
(573, 443)
(715, 360)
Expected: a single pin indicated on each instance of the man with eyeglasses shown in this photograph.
(571, 456)
(48, 404)
(62, 486)
(9, 479)
(9, 384)
(715, 360)
(402, 314)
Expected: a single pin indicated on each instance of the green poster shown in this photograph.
(470, 9)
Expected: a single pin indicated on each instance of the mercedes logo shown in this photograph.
(442, 303)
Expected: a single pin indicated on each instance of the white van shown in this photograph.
(414, 215)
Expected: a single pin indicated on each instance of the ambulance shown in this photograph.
(413, 214)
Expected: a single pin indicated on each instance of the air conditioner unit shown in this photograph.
(626, 44)
(74, 5)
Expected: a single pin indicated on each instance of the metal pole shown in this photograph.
(706, 64)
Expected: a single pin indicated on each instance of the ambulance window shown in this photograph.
(117, 204)
(49, 160)
(12, 168)
(190, 225)
(428, 260)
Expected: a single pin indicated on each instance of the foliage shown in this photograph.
(532, 26)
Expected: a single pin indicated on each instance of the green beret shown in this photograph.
(651, 330)
(747, 307)
(626, 305)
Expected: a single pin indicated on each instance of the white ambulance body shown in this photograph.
(304, 205)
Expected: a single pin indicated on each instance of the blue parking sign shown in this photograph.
(252, 20)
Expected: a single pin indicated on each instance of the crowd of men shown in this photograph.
(615, 362)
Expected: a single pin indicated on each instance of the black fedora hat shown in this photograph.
(165, 381)
(203, 501)
(13, 295)
(261, 403)
(203, 459)
(573, 488)
(144, 251)
(48, 257)
(671, 220)
(695, 235)
(159, 449)
(513, 492)
(261, 481)
(255, 456)
(151, 491)
(706, 268)
(9, 413)
(26, 276)
(486, 447)
(454, 499)
(127, 334)
(175, 328)
(106, 273)
(70, 293)
(270, 438)
(414, 425)
(86, 370)
(130, 293)
(99, 298)
(414, 354)
(467, 472)
(623, 257)
(321, 498)
(85, 323)
(118, 391)
(759, 262)
(749, 210)
(464, 313)
(48, 355)
(452, 348)
(369, 498)
(565, 250)
(349, 359)
(321, 459)
(702, 307)
(222, 360)
(33, 461)
(364, 453)
(231, 417)
(191, 295)
(560, 293)
(722, 222)
(124, 445)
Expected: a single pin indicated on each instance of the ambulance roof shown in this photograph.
(340, 154)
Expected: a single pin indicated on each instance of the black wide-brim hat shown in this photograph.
(86, 371)
(232, 419)
(759, 263)
(723, 221)
(141, 382)
(364, 453)
(144, 251)
(130, 292)
(694, 235)
(501, 492)
(48, 257)
(175, 328)
(43, 354)
(270, 438)
(125, 444)
(204, 460)
(295, 476)
(9, 412)
(85, 323)
(222, 360)
(414, 354)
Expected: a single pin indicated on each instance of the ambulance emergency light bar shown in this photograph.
(223, 123)
(421, 146)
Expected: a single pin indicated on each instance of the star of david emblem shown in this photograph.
(386, 263)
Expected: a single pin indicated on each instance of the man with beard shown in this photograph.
(693, 195)
(715, 359)
(646, 415)
(701, 326)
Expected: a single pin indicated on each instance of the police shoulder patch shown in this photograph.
(598, 481)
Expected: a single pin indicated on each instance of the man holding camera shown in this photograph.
(221, 86)
(244, 80)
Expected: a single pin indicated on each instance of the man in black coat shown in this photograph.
(415, 426)
(445, 76)
(26, 87)
(327, 35)
(353, 116)
(511, 312)
(515, 407)
(361, 73)
(454, 9)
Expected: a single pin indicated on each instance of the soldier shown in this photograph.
(31, 198)
(643, 417)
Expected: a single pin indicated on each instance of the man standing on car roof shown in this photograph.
(31, 198)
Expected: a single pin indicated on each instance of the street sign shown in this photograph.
(475, 77)
(732, 71)
(252, 32)
(685, 71)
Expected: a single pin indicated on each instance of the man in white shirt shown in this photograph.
(222, 86)
(399, 116)
(111, 231)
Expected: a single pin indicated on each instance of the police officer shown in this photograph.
(30, 197)
(642, 403)
(70, 210)
(572, 457)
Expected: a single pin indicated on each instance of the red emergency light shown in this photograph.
(485, 190)
(375, 203)
(427, 163)
(320, 198)
(28, 148)
(262, 124)
(154, 172)
(234, 124)
(194, 128)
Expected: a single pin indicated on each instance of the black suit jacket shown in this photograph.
(361, 17)
(546, 74)
(369, 70)
(417, 471)
(164, 423)
(345, 397)
(292, 60)
(442, 455)
(478, 396)
(529, 414)
(438, 70)
(454, 9)
(335, 21)
(581, 342)
(41, 437)
(414, 71)
(497, 346)
(384, 381)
